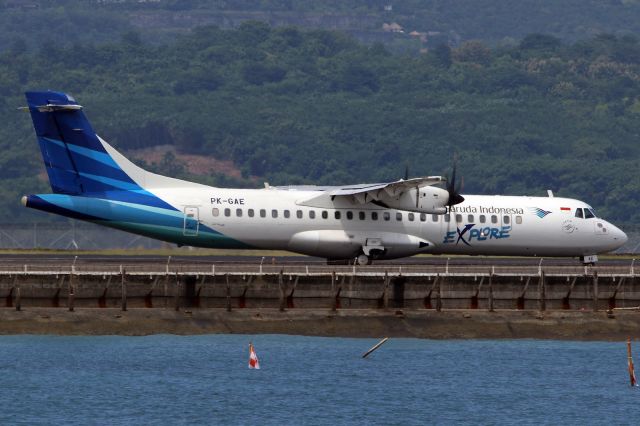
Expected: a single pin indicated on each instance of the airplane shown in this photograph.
(92, 181)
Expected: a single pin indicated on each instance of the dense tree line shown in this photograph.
(25, 23)
(291, 106)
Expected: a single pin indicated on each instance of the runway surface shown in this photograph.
(297, 260)
(302, 264)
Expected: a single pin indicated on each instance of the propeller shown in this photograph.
(452, 189)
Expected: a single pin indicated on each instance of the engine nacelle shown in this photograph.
(430, 199)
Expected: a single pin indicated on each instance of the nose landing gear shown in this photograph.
(589, 260)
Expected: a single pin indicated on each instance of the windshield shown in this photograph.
(589, 213)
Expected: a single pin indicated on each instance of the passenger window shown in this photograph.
(337, 215)
(483, 218)
(299, 214)
(470, 218)
(494, 218)
(398, 216)
(434, 218)
(263, 213)
(447, 217)
(386, 215)
(519, 220)
(250, 212)
(227, 212)
(287, 214)
(361, 215)
(374, 215)
(459, 218)
(423, 217)
(579, 213)
(588, 214)
(349, 215)
(312, 214)
(215, 212)
(411, 217)
(239, 212)
(506, 220)
(325, 214)
(274, 213)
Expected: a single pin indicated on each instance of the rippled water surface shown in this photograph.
(309, 380)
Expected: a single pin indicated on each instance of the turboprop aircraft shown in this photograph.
(92, 181)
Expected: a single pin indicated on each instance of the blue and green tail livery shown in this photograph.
(91, 181)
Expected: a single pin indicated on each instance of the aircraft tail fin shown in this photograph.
(76, 159)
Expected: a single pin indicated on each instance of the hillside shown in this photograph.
(496, 22)
(292, 106)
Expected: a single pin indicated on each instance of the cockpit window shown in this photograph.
(579, 213)
(588, 214)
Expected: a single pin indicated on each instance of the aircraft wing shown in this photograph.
(365, 193)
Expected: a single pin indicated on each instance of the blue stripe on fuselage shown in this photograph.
(156, 222)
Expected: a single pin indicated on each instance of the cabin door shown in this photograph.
(191, 221)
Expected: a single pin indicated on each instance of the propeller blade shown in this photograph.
(452, 188)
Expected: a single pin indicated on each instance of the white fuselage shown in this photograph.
(280, 218)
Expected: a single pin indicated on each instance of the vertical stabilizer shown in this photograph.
(78, 162)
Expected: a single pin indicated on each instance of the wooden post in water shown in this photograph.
(226, 277)
(542, 302)
(376, 346)
(595, 291)
(124, 289)
(491, 291)
(281, 287)
(632, 373)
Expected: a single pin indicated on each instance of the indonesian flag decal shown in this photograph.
(253, 358)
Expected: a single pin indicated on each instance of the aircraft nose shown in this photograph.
(619, 237)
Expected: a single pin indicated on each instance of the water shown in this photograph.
(309, 380)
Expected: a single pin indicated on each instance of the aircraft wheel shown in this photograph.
(363, 259)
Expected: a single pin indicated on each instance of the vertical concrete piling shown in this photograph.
(281, 294)
(566, 305)
(123, 284)
(491, 292)
(473, 304)
(595, 291)
(520, 301)
(176, 294)
(385, 292)
(542, 298)
(612, 299)
(228, 304)
(439, 296)
(335, 291)
(71, 294)
(18, 298)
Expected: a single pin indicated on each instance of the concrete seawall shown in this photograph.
(474, 301)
